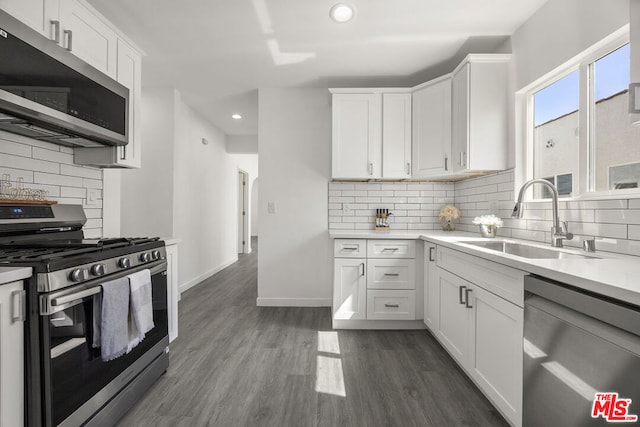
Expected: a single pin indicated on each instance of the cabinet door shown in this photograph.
(396, 135)
(356, 136)
(130, 75)
(88, 37)
(432, 130)
(37, 14)
(453, 323)
(460, 118)
(173, 294)
(496, 361)
(431, 289)
(11, 356)
(350, 289)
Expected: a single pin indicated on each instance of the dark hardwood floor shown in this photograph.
(235, 364)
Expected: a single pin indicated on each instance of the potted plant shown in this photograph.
(489, 224)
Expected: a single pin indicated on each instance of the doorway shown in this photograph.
(243, 219)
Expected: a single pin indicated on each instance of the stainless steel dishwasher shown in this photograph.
(581, 357)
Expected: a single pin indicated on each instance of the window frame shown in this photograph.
(585, 182)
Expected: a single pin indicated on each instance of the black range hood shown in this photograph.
(47, 93)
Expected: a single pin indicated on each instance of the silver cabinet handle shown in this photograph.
(466, 297)
(349, 249)
(362, 267)
(446, 163)
(392, 305)
(18, 306)
(69, 34)
(370, 168)
(461, 293)
(390, 249)
(123, 156)
(56, 30)
(392, 274)
(431, 249)
(461, 160)
(408, 168)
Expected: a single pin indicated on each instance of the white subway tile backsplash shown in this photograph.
(614, 222)
(19, 162)
(52, 156)
(47, 166)
(54, 179)
(618, 216)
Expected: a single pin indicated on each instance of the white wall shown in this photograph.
(185, 189)
(295, 261)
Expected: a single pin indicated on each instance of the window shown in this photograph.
(579, 135)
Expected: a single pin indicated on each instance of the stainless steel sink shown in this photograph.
(524, 250)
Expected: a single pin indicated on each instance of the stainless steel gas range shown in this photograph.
(67, 382)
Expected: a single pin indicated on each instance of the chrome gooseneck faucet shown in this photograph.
(559, 230)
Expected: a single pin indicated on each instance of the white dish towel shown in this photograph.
(141, 320)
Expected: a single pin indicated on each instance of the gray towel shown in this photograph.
(141, 307)
(114, 334)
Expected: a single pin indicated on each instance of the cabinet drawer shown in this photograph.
(356, 248)
(391, 249)
(506, 282)
(391, 274)
(391, 305)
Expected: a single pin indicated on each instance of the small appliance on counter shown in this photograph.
(382, 219)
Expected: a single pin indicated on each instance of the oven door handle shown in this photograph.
(55, 302)
(58, 301)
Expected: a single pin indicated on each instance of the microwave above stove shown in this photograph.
(49, 94)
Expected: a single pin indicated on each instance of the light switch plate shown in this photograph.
(92, 196)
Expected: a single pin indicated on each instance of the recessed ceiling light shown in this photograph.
(236, 116)
(342, 12)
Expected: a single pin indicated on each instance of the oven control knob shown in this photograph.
(145, 257)
(124, 263)
(79, 274)
(98, 270)
(155, 254)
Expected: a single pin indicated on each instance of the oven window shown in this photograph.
(77, 371)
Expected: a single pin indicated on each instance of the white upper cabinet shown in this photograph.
(357, 145)
(396, 135)
(87, 36)
(130, 75)
(41, 15)
(432, 129)
(479, 113)
(371, 134)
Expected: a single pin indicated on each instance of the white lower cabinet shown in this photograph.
(12, 354)
(379, 285)
(482, 329)
(173, 294)
(350, 289)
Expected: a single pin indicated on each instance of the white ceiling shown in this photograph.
(218, 53)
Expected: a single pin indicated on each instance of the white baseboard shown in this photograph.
(197, 280)
(293, 302)
(378, 324)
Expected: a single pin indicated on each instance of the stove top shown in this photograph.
(56, 254)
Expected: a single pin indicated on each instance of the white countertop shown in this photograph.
(168, 241)
(12, 274)
(616, 276)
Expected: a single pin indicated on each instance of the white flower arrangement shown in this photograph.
(450, 212)
(488, 220)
